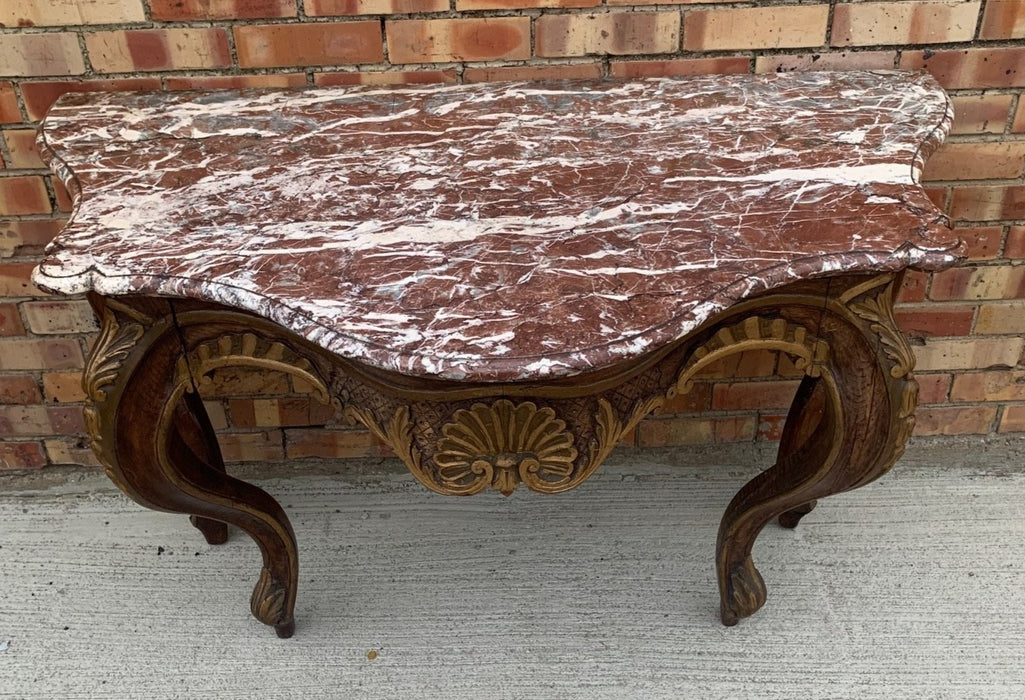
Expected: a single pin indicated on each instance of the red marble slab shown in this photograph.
(497, 232)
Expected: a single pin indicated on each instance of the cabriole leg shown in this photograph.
(153, 445)
(848, 425)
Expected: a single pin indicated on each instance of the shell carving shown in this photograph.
(501, 445)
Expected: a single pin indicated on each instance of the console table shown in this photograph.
(498, 280)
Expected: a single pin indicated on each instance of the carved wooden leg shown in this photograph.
(135, 389)
(851, 418)
(192, 425)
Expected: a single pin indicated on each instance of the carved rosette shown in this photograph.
(503, 444)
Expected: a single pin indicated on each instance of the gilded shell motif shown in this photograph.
(501, 445)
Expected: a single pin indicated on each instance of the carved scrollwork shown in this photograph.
(249, 350)
(756, 333)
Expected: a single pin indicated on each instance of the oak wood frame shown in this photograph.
(848, 423)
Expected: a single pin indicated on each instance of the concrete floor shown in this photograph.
(911, 587)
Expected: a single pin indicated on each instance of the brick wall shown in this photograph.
(968, 323)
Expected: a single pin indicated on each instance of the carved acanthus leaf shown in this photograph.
(877, 309)
(108, 355)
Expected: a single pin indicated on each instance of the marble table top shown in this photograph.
(497, 232)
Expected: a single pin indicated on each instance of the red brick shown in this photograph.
(1019, 118)
(683, 66)
(751, 363)
(59, 317)
(670, 2)
(239, 381)
(989, 160)
(24, 421)
(10, 321)
(214, 411)
(980, 114)
(40, 354)
(52, 53)
(66, 420)
(736, 396)
(63, 387)
(158, 49)
(938, 196)
(39, 96)
(251, 447)
(914, 286)
(74, 451)
(698, 399)
(974, 420)
(1003, 19)
(663, 432)
(19, 389)
(9, 112)
(525, 4)
(61, 196)
(1015, 246)
(755, 28)
(933, 388)
(988, 203)
(57, 13)
(185, 10)
(837, 60)
(235, 82)
(987, 282)
(970, 68)
(15, 282)
(1013, 420)
(617, 34)
(981, 242)
(904, 22)
(770, 426)
(1004, 385)
(933, 320)
(330, 444)
(21, 144)
(24, 194)
(320, 44)
(569, 71)
(966, 354)
(21, 455)
(315, 8)
(386, 77)
(477, 39)
(268, 413)
(1001, 318)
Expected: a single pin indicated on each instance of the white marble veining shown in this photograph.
(501, 231)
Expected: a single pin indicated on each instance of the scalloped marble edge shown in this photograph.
(457, 367)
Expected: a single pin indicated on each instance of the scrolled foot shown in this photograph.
(744, 593)
(269, 604)
(214, 531)
(792, 517)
